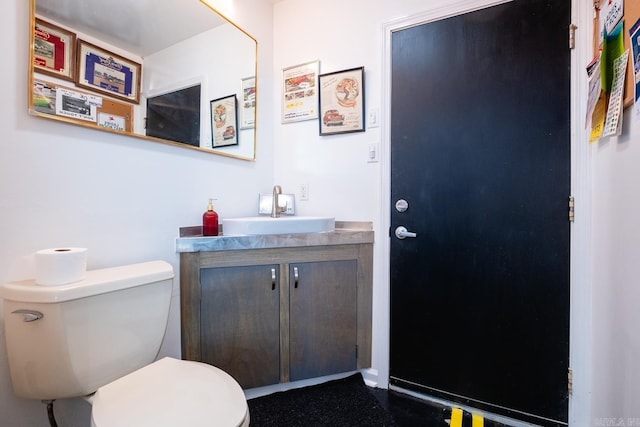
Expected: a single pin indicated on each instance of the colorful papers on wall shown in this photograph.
(612, 48)
(597, 101)
(612, 12)
(634, 34)
(613, 124)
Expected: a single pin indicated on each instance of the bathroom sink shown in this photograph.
(282, 225)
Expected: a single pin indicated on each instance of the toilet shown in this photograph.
(98, 338)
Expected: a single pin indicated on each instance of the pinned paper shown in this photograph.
(634, 34)
(595, 88)
(613, 124)
(598, 117)
(612, 12)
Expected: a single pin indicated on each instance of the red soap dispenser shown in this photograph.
(210, 221)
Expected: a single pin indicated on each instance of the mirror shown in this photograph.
(173, 71)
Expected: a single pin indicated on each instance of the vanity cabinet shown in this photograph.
(322, 318)
(240, 322)
(283, 314)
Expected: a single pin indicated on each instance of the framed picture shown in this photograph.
(50, 98)
(116, 115)
(300, 92)
(77, 105)
(53, 50)
(224, 121)
(342, 101)
(102, 71)
(248, 103)
(44, 97)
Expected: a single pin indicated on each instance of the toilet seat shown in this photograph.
(169, 393)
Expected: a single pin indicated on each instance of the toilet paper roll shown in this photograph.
(60, 266)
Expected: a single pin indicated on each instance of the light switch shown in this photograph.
(372, 153)
(373, 119)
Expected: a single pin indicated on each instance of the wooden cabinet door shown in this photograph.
(240, 329)
(322, 318)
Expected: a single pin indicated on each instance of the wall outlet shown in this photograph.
(287, 201)
(304, 192)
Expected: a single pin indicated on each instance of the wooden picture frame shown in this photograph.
(54, 50)
(300, 92)
(102, 71)
(76, 106)
(341, 101)
(224, 121)
(248, 89)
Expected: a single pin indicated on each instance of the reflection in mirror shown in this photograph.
(97, 67)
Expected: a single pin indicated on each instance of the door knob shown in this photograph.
(403, 233)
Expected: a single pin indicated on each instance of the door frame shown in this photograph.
(580, 322)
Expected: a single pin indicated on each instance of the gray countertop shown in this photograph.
(345, 233)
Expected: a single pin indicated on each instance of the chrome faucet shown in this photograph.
(276, 209)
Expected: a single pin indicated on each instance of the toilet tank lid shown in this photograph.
(95, 282)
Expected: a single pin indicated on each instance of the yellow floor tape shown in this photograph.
(456, 417)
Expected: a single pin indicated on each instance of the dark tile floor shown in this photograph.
(408, 411)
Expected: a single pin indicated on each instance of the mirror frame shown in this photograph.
(33, 112)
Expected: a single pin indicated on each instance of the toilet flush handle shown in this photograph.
(29, 315)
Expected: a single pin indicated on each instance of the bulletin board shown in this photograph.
(631, 15)
(110, 113)
(611, 83)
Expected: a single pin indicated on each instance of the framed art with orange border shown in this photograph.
(53, 50)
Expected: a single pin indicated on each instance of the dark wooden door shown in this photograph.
(480, 152)
(323, 318)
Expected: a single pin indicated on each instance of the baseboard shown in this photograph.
(370, 377)
(487, 415)
(274, 388)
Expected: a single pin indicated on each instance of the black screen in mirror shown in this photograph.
(175, 116)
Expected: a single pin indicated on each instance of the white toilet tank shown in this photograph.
(91, 332)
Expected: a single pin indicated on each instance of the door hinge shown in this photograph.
(572, 205)
(572, 36)
(570, 381)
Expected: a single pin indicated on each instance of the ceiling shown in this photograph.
(141, 27)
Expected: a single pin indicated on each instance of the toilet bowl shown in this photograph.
(170, 393)
(100, 337)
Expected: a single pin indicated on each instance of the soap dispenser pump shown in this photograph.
(210, 221)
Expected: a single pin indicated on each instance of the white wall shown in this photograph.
(341, 35)
(342, 183)
(616, 269)
(229, 55)
(122, 198)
